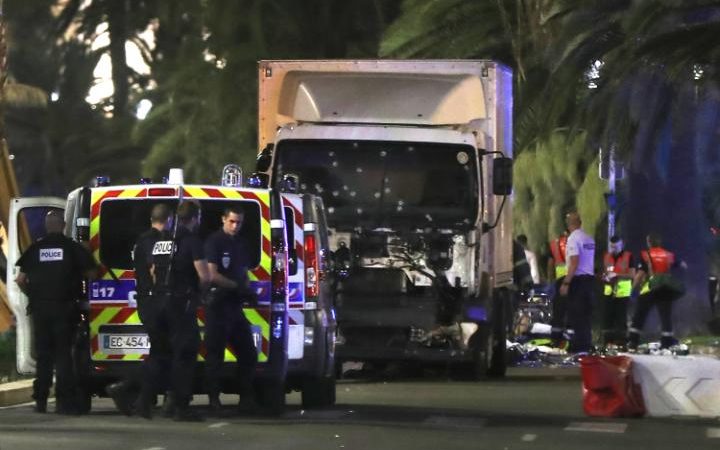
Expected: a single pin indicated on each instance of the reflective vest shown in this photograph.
(557, 250)
(620, 265)
(658, 260)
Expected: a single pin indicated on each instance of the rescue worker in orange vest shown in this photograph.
(656, 260)
(557, 269)
(618, 275)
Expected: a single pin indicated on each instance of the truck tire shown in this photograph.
(481, 354)
(488, 344)
(498, 342)
(318, 392)
(271, 396)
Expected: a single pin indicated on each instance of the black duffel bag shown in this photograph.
(666, 282)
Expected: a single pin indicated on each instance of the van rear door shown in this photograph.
(26, 224)
(294, 223)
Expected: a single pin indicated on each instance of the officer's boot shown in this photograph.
(40, 404)
(214, 403)
(556, 336)
(169, 404)
(633, 341)
(40, 398)
(667, 340)
(122, 396)
(144, 405)
(247, 403)
(183, 412)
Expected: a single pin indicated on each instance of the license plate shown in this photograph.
(126, 342)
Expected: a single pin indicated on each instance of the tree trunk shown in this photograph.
(117, 22)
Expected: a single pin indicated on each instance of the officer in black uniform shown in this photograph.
(179, 272)
(227, 257)
(125, 393)
(51, 273)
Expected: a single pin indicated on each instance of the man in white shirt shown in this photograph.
(579, 284)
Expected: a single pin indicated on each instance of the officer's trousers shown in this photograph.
(558, 321)
(54, 324)
(614, 319)
(226, 324)
(662, 300)
(177, 319)
(159, 360)
(580, 304)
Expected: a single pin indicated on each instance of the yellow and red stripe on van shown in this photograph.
(103, 315)
(122, 311)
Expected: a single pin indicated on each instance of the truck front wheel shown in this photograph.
(498, 341)
(488, 345)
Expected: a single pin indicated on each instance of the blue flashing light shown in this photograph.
(102, 181)
(476, 313)
(277, 327)
(254, 181)
(145, 180)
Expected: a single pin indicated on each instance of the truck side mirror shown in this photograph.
(264, 159)
(502, 176)
(341, 261)
(290, 183)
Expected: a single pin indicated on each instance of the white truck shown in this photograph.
(412, 161)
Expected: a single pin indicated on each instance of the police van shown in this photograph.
(279, 229)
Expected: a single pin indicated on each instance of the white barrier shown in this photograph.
(679, 385)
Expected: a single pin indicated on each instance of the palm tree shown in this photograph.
(657, 95)
(645, 102)
(205, 106)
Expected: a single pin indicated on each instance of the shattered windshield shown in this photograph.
(379, 184)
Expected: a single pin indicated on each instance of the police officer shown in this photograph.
(179, 271)
(227, 257)
(579, 284)
(618, 275)
(51, 273)
(124, 393)
(655, 260)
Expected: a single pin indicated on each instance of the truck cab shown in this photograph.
(411, 159)
(111, 340)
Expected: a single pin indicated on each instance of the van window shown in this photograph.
(123, 220)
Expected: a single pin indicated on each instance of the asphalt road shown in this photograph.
(530, 409)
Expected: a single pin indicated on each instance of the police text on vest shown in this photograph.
(162, 248)
(51, 254)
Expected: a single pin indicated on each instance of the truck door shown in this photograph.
(26, 224)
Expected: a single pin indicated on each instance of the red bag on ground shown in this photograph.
(608, 387)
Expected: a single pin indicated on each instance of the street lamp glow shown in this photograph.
(143, 108)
